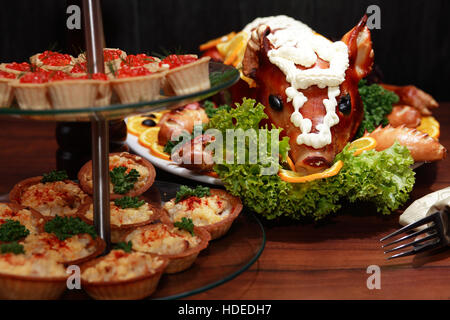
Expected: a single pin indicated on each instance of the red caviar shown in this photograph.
(51, 58)
(175, 61)
(111, 54)
(126, 72)
(24, 66)
(7, 75)
(35, 77)
(80, 67)
(138, 60)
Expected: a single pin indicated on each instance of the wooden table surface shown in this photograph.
(300, 261)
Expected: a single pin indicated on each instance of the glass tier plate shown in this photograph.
(221, 77)
(221, 261)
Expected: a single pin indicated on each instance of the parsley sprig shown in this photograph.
(211, 109)
(124, 246)
(12, 230)
(185, 224)
(54, 176)
(122, 181)
(186, 192)
(12, 247)
(129, 202)
(67, 227)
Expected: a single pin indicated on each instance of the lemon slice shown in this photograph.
(363, 144)
(233, 50)
(149, 139)
(294, 177)
(430, 126)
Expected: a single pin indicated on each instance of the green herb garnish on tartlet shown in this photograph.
(12, 247)
(122, 181)
(12, 230)
(129, 202)
(67, 227)
(186, 192)
(124, 246)
(54, 176)
(185, 224)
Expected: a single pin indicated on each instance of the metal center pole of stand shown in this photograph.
(94, 37)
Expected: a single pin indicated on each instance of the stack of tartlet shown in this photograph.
(52, 80)
(48, 226)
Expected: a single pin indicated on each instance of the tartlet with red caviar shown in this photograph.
(16, 68)
(180, 246)
(137, 84)
(31, 91)
(112, 59)
(153, 64)
(122, 275)
(53, 198)
(53, 61)
(6, 91)
(31, 277)
(67, 92)
(215, 212)
(31, 219)
(187, 74)
(126, 214)
(130, 175)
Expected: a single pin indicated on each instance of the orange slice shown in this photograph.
(234, 49)
(294, 177)
(149, 139)
(135, 126)
(212, 43)
(290, 163)
(363, 144)
(430, 126)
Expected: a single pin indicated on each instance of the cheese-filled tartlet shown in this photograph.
(52, 198)
(126, 214)
(32, 220)
(31, 91)
(130, 175)
(180, 246)
(53, 61)
(74, 250)
(67, 92)
(214, 210)
(137, 84)
(31, 277)
(122, 275)
(187, 74)
(6, 91)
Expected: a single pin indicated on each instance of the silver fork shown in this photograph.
(437, 234)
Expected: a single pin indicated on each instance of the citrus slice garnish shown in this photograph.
(149, 139)
(363, 144)
(233, 50)
(212, 43)
(430, 126)
(295, 177)
(135, 126)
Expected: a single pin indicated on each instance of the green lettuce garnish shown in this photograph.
(383, 178)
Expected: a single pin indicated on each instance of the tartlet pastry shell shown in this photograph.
(190, 78)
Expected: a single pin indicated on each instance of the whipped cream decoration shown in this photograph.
(294, 43)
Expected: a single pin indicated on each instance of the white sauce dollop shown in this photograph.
(294, 43)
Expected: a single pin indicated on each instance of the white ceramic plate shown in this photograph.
(166, 165)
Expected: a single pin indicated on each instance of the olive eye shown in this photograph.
(345, 105)
(275, 102)
(148, 123)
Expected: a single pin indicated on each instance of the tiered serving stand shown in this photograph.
(245, 243)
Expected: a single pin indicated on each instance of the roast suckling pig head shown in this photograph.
(309, 85)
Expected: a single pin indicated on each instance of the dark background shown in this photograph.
(412, 46)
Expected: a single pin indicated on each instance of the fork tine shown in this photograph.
(431, 236)
(425, 247)
(413, 225)
(410, 236)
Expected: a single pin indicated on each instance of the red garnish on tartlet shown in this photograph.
(35, 77)
(126, 72)
(111, 54)
(6, 75)
(80, 67)
(137, 60)
(51, 58)
(59, 76)
(175, 61)
(24, 66)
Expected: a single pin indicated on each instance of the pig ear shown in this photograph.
(359, 43)
(258, 41)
